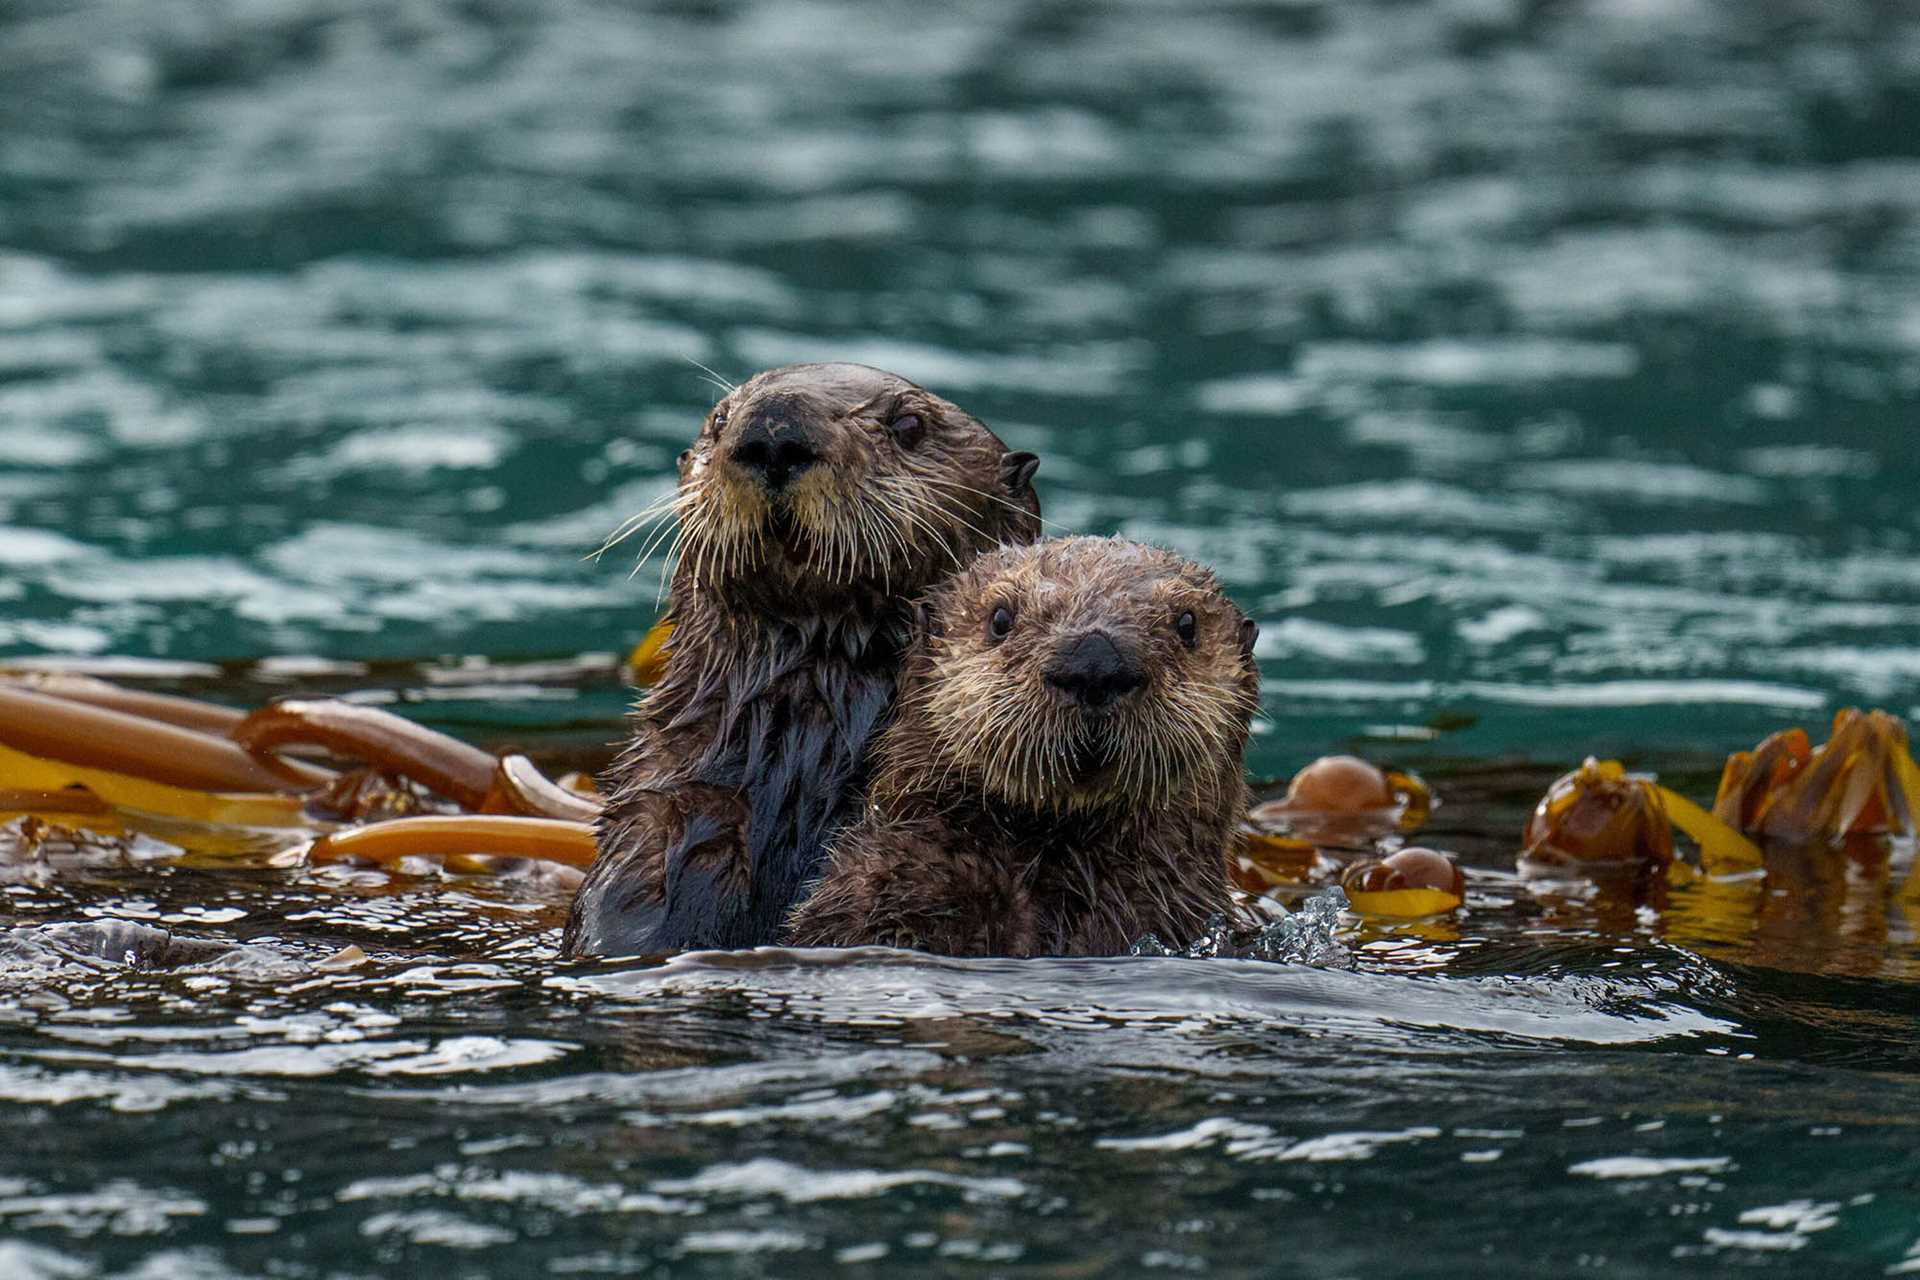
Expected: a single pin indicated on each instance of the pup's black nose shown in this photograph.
(1095, 671)
(775, 448)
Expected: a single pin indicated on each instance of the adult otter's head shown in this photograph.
(1075, 674)
(819, 482)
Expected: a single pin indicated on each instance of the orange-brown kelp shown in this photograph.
(1602, 818)
(1411, 883)
(113, 747)
(1861, 782)
(74, 745)
(461, 773)
(519, 787)
(98, 737)
(464, 774)
(64, 801)
(1344, 799)
(187, 713)
(461, 836)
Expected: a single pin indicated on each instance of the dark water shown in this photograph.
(1543, 377)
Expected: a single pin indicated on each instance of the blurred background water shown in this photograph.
(1541, 375)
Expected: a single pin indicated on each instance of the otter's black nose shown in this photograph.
(774, 448)
(1095, 672)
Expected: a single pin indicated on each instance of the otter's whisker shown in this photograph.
(906, 510)
(986, 539)
(721, 382)
(652, 544)
(667, 570)
(948, 482)
(659, 507)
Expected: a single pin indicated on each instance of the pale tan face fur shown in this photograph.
(898, 486)
(989, 719)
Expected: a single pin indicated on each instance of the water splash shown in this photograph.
(1302, 936)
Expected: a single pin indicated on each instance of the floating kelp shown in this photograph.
(1344, 799)
(1600, 818)
(22, 773)
(74, 801)
(131, 745)
(519, 787)
(1410, 884)
(462, 773)
(187, 713)
(461, 836)
(1861, 782)
(1263, 862)
(87, 756)
(1852, 793)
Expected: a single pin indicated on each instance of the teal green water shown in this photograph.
(1542, 376)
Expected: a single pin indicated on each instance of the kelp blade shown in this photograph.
(648, 661)
(21, 771)
(1722, 849)
(1406, 904)
(455, 835)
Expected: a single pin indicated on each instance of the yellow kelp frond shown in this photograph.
(20, 771)
(1415, 796)
(648, 661)
(1722, 849)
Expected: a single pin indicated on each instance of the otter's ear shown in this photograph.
(1016, 471)
(1249, 632)
(929, 625)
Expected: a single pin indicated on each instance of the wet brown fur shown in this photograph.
(790, 614)
(993, 827)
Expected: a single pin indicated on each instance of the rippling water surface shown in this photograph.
(1542, 376)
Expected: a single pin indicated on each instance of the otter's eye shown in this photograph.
(1000, 623)
(908, 429)
(1188, 628)
(719, 419)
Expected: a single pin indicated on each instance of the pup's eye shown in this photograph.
(1000, 623)
(1187, 627)
(908, 429)
(719, 419)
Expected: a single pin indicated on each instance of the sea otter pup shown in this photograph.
(817, 502)
(1062, 775)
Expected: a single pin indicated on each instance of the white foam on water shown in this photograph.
(1611, 1167)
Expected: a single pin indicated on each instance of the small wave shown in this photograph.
(107, 945)
(1387, 503)
(1641, 482)
(1454, 363)
(877, 986)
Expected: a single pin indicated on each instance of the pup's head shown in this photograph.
(1078, 673)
